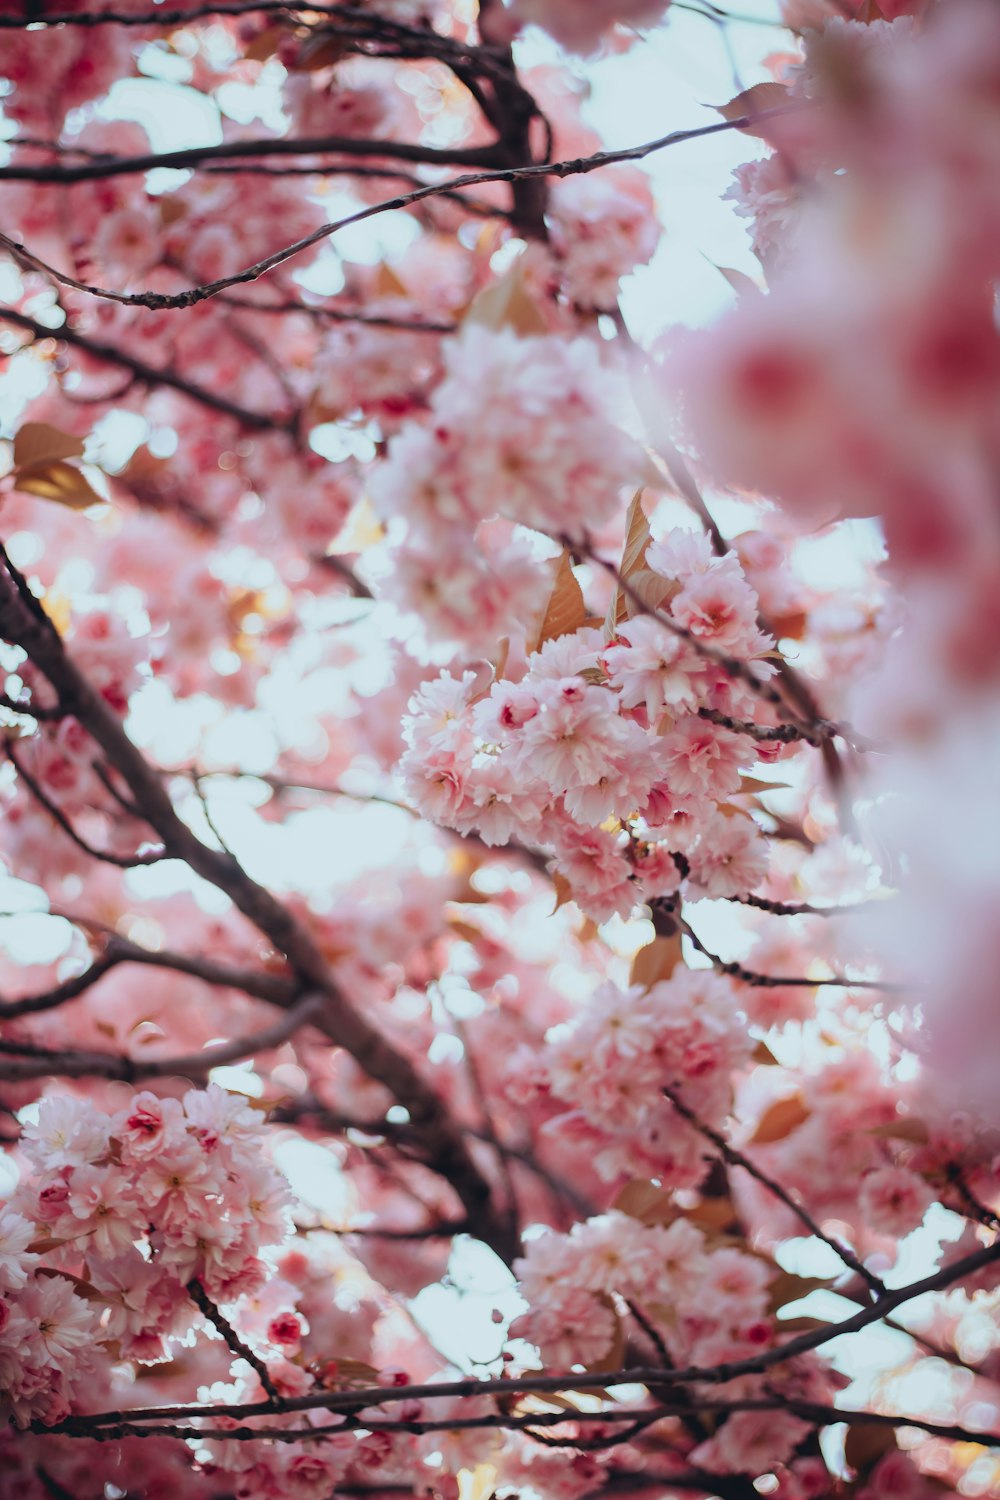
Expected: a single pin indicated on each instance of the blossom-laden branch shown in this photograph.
(462, 1072)
(353, 1402)
(740, 671)
(214, 1315)
(105, 856)
(786, 981)
(736, 1158)
(74, 1062)
(164, 301)
(120, 950)
(632, 1419)
(148, 375)
(30, 629)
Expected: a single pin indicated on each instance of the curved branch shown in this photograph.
(783, 981)
(536, 171)
(23, 622)
(259, 985)
(736, 1158)
(148, 374)
(41, 796)
(351, 1401)
(631, 1417)
(98, 168)
(73, 1062)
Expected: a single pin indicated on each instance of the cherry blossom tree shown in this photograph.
(484, 782)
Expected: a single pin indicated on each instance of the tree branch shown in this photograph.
(736, 1158)
(119, 950)
(75, 1062)
(24, 623)
(234, 1343)
(352, 1401)
(193, 295)
(41, 796)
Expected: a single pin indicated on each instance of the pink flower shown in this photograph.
(701, 758)
(149, 1125)
(651, 667)
(175, 1183)
(65, 1323)
(751, 1442)
(729, 859)
(734, 1285)
(216, 1118)
(129, 241)
(570, 740)
(719, 607)
(893, 1200)
(102, 1207)
(604, 225)
(286, 1330)
(69, 1133)
(572, 1327)
(16, 1234)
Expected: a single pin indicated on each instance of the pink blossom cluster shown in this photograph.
(851, 1156)
(519, 428)
(54, 74)
(575, 1283)
(600, 729)
(603, 227)
(611, 749)
(114, 1217)
(609, 1065)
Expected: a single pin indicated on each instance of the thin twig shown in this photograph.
(202, 293)
(755, 1364)
(212, 1314)
(736, 1158)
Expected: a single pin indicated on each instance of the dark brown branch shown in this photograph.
(59, 994)
(146, 373)
(782, 981)
(234, 1343)
(785, 734)
(535, 171)
(733, 667)
(802, 908)
(351, 1401)
(342, 315)
(118, 950)
(29, 710)
(736, 1158)
(815, 1412)
(41, 796)
(99, 168)
(75, 1062)
(52, 1487)
(164, 16)
(23, 622)
(972, 1208)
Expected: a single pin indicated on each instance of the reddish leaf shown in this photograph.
(60, 482)
(755, 101)
(40, 443)
(657, 961)
(637, 539)
(866, 1444)
(780, 1120)
(565, 610)
(507, 304)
